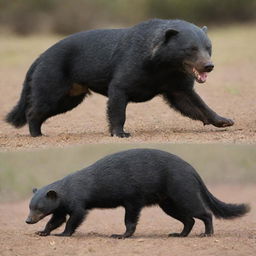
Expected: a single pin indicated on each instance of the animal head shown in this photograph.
(186, 47)
(43, 203)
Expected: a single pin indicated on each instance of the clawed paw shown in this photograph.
(42, 233)
(223, 122)
(121, 134)
(205, 235)
(116, 236)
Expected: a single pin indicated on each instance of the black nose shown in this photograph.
(28, 221)
(208, 67)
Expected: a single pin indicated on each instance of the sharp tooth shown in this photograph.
(196, 73)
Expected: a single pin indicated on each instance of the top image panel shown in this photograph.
(166, 81)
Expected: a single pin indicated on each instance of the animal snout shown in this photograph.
(208, 67)
(29, 221)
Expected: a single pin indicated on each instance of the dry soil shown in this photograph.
(232, 237)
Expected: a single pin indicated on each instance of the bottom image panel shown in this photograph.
(132, 199)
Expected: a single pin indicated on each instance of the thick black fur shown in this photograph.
(132, 179)
(134, 64)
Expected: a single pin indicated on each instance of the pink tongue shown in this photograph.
(203, 76)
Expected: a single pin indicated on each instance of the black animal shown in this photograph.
(133, 179)
(156, 57)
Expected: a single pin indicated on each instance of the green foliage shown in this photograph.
(66, 16)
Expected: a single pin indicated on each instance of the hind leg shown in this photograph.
(43, 107)
(35, 121)
(172, 210)
(207, 219)
(191, 206)
(131, 218)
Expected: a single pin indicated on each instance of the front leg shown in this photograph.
(117, 103)
(56, 221)
(189, 103)
(75, 219)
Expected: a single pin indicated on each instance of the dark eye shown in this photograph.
(190, 51)
(40, 208)
(208, 48)
(194, 48)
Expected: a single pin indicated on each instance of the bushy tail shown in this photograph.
(221, 209)
(17, 116)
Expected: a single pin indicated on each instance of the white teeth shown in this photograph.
(196, 74)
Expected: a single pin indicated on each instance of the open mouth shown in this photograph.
(199, 76)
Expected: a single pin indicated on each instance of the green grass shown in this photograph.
(21, 171)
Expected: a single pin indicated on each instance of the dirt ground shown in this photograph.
(230, 91)
(232, 237)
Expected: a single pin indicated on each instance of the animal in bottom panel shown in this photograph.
(132, 179)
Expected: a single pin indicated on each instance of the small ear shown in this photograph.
(169, 34)
(34, 190)
(52, 194)
(204, 28)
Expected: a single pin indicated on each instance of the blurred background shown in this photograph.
(228, 165)
(65, 16)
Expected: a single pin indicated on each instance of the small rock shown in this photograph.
(52, 243)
